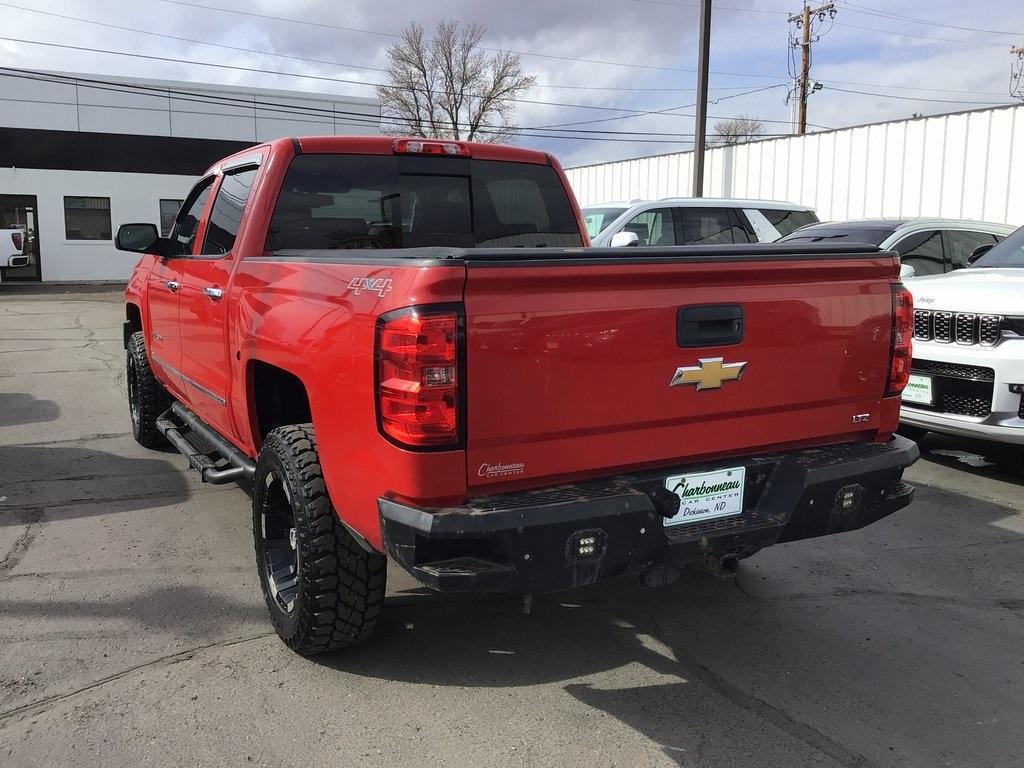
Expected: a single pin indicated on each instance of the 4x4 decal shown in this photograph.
(379, 285)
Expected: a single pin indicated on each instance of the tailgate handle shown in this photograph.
(709, 326)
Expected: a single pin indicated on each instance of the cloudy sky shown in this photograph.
(612, 61)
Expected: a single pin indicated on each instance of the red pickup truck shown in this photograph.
(408, 349)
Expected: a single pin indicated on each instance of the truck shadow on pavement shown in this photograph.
(708, 669)
(85, 481)
(24, 408)
(187, 611)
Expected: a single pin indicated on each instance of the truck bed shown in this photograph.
(570, 353)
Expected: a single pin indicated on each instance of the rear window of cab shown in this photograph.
(332, 201)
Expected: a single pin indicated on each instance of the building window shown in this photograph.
(87, 218)
(168, 210)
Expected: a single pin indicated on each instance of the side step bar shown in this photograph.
(203, 447)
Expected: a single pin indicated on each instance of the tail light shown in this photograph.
(902, 333)
(428, 147)
(19, 240)
(418, 351)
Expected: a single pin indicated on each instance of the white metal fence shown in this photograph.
(968, 165)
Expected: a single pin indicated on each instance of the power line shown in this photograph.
(260, 70)
(714, 9)
(348, 118)
(974, 43)
(917, 88)
(867, 10)
(915, 98)
(557, 57)
(351, 118)
(328, 62)
(179, 60)
(135, 30)
(286, 19)
(685, 106)
(852, 26)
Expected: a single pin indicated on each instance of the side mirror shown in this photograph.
(137, 238)
(978, 252)
(625, 240)
(907, 271)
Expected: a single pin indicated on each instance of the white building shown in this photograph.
(964, 165)
(80, 154)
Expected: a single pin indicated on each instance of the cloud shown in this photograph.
(749, 50)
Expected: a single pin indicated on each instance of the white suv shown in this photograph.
(967, 376)
(693, 221)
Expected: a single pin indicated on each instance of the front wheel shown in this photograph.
(323, 590)
(147, 398)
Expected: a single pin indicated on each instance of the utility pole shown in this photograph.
(803, 22)
(701, 128)
(1017, 72)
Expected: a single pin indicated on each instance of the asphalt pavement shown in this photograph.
(133, 632)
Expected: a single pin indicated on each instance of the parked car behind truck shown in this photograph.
(925, 246)
(693, 221)
(406, 348)
(967, 375)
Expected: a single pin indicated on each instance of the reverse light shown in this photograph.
(418, 359)
(901, 343)
(430, 147)
(18, 239)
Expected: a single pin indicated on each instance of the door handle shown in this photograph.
(711, 325)
(215, 294)
(173, 286)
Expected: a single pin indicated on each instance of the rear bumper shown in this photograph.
(530, 541)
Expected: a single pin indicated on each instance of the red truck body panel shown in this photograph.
(567, 364)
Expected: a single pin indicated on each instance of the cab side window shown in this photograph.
(922, 251)
(186, 225)
(227, 211)
(960, 244)
(654, 227)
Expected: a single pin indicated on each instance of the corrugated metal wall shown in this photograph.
(968, 165)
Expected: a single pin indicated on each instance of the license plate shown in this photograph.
(918, 390)
(707, 495)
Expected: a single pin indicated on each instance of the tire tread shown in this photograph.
(153, 398)
(342, 585)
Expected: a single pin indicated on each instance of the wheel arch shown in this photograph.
(276, 397)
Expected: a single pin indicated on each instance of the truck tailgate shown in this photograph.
(570, 363)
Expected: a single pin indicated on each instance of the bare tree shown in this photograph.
(449, 87)
(737, 130)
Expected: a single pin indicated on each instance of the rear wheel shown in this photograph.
(323, 590)
(147, 398)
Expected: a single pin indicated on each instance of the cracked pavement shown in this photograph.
(133, 633)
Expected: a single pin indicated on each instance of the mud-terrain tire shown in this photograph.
(323, 590)
(147, 398)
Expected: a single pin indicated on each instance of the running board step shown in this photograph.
(203, 447)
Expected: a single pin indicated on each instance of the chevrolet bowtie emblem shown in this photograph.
(709, 373)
